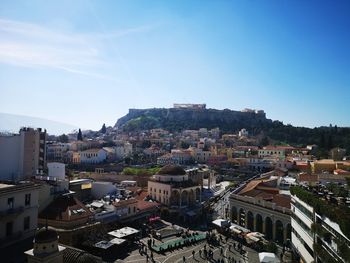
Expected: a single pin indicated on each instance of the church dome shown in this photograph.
(45, 235)
(172, 170)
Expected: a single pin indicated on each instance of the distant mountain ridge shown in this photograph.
(12, 123)
(174, 119)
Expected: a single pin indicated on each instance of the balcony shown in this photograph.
(11, 212)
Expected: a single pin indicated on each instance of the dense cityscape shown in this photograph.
(179, 131)
(156, 195)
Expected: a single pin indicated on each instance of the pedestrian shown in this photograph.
(183, 259)
(200, 253)
(147, 257)
(221, 251)
(193, 253)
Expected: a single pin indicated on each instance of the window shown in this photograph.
(10, 202)
(26, 223)
(9, 228)
(27, 200)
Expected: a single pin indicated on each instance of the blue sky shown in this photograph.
(88, 62)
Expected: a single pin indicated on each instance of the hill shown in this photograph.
(230, 121)
(175, 119)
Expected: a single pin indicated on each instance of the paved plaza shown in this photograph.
(221, 253)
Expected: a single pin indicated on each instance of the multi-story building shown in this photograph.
(57, 151)
(316, 237)
(22, 155)
(171, 186)
(269, 151)
(176, 156)
(93, 156)
(243, 133)
(18, 212)
(124, 150)
(260, 207)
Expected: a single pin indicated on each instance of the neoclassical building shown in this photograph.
(261, 208)
(172, 187)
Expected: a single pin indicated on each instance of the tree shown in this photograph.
(330, 142)
(80, 136)
(63, 138)
(103, 129)
(264, 141)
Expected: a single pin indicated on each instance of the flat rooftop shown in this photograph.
(123, 232)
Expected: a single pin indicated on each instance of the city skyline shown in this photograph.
(86, 63)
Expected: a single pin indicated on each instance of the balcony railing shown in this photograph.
(11, 211)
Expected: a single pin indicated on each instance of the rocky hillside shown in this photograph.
(178, 119)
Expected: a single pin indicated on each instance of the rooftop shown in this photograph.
(123, 232)
(171, 170)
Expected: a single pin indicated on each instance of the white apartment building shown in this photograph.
(123, 151)
(18, 212)
(22, 155)
(302, 237)
(243, 133)
(316, 238)
(93, 156)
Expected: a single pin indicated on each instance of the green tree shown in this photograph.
(103, 129)
(80, 136)
(264, 141)
(63, 138)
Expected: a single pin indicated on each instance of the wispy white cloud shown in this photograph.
(31, 45)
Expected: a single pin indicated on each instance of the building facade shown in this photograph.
(172, 187)
(93, 156)
(22, 155)
(315, 237)
(18, 212)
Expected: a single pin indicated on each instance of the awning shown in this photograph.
(266, 257)
(233, 229)
(117, 241)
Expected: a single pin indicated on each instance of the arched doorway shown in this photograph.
(192, 197)
(279, 231)
(268, 228)
(175, 198)
(259, 223)
(250, 221)
(234, 215)
(242, 217)
(184, 198)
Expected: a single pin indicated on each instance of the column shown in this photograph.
(254, 224)
(180, 193)
(264, 226)
(285, 232)
(246, 219)
(188, 197)
(238, 214)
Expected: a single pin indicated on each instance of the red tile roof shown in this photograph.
(65, 208)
